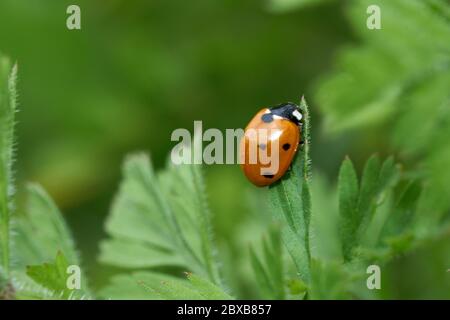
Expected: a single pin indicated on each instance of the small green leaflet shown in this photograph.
(54, 277)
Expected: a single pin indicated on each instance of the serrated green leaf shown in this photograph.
(402, 75)
(207, 289)
(290, 202)
(348, 207)
(160, 220)
(40, 234)
(126, 254)
(389, 175)
(369, 184)
(135, 286)
(376, 184)
(362, 210)
(42, 231)
(151, 286)
(404, 212)
(53, 276)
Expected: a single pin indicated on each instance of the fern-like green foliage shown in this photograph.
(398, 78)
(161, 220)
(358, 203)
(334, 235)
(7, 113)
(372, 219)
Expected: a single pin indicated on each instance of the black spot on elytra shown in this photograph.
(268, 176)
(286, 146)
(262, 146)
(267, 117)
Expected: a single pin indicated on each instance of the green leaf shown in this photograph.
(404, 211)
(135, 286)
(329, 280)
(291, 203)
(160, 220)
(53, 276)
(297, 289)
(377, 183)
(402, 75)
(348, 207)
(261, 275)
(268, 270)
(369, 187)
(8, 108)
(389, 175)
(40, 234)
(127, 254)
(208, 289)
(388, 62)
(42, 231)
(151, 285)
(361, 208)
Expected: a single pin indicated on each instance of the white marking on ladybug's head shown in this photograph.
(274, 134)
(267, 111)
(277, 117)
(297, 115)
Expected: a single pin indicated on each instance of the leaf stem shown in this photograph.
(7, 110)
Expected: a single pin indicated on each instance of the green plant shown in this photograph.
(372, 221)
(404, 69)
(162, 220)
(324, 236)
(7, 111)
(40, 234)
(332, 242)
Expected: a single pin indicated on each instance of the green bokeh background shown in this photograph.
(140, 69)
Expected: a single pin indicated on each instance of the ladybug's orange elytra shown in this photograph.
(276, 127)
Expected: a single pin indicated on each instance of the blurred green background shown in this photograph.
(140, 69)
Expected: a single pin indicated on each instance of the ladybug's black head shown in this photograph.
(288, 111)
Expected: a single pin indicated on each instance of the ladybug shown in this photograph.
(281, 127)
